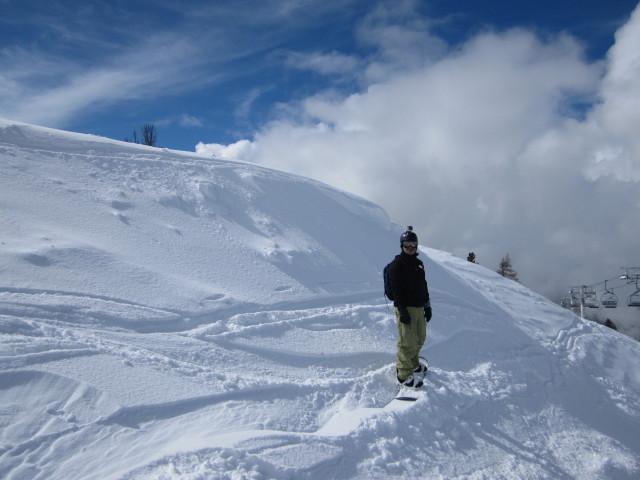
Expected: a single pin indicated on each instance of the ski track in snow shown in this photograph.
(165, 316)
(281, 411)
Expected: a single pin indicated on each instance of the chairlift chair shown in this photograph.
(634, 299)
(609, 300)
(593, 303)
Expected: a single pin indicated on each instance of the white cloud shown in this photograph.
(245, 107)
(100, 57)
(184, 120)
(238, 150)
(480, 150)
(137, 73)
(401, 38)
(333, 63)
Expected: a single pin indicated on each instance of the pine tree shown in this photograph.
(471, 257)
(506, 269)
(611, 324)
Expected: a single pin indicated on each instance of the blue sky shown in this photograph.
(492, 126)
(216, 71)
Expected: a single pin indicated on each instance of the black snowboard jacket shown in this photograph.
(407, 282)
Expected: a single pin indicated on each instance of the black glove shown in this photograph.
(404, 315)
(427, 312)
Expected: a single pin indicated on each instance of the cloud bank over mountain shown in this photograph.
(512, 142)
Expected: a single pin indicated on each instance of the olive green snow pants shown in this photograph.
(410, 340)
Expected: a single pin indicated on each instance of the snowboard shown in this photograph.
(408, 394)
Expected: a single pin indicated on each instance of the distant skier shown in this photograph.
(406, 285)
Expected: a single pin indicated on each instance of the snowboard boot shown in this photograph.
(420, 369)
(410, 382)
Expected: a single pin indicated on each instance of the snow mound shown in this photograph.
(135, 228)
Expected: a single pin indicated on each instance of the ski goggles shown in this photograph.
(410, 244)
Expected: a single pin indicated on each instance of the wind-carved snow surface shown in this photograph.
(167, 316)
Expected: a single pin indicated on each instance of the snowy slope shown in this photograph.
(166, 316)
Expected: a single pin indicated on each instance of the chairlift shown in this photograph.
(608, 299)
(593, 303)
(634, 299)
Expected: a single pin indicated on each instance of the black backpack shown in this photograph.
(385, 275)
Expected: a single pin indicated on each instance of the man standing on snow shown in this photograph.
(407, 287)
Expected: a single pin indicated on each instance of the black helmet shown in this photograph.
(408, 236)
